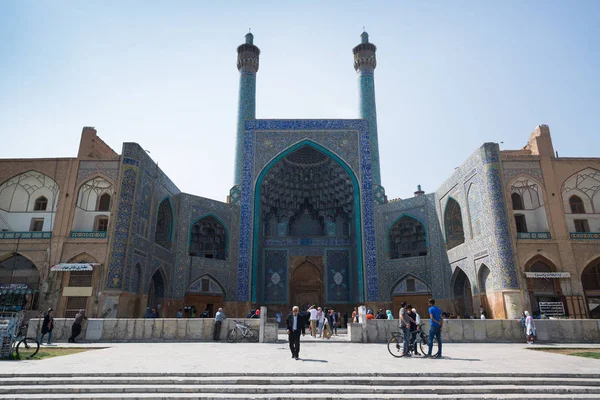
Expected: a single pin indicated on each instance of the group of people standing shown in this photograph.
(323, 323)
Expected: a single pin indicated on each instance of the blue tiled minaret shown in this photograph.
(247, 64)
(365, 63)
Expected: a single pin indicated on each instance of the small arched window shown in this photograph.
(517, 201)
(576, 205)
(40, 204)
(104, 202)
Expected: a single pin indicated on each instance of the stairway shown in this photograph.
(299, 386)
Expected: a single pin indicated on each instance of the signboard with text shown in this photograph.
(548, 275)
(552, 308)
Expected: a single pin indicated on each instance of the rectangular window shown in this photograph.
(80, 278)
(581, 225)
(74, 304)
(37, 224)
(205, 285)
(102, 225)
(521, 223)
(410, 285)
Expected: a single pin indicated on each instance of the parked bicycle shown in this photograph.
(421, 339)
(251, 334)
(13, 332)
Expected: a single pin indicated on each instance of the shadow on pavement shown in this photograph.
(311, 360)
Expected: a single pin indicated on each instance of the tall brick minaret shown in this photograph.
(365, 63)
(247, 64)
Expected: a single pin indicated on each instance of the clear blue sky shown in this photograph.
(450, 76)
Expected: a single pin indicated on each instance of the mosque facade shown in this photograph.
(307, 221)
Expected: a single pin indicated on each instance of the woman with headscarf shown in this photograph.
(529, 328)
(389, 314)
(47, 326)
(76, 328)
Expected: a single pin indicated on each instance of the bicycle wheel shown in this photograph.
(232, 335)
(27, 348)
(252, 335)
(395, 345)
(424, 345)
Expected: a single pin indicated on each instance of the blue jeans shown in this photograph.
(49, 337)
(435, 331)
(406, 334)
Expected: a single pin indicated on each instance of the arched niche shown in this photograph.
(157, 289)
(485, 285)
(590, 279)
(164, 224)
(529, 211)
(94, 199)
(412, 290)
(208, 238)
(19, 283)
(203, 297)
(542, 289)
(581, 201)
(407, 237)
(462, 293)
(453, 224)
(28, 202)
(475, 214)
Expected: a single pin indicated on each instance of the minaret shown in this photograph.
(365, 63)
(247, 64)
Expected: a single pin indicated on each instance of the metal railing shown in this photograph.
(585, 235)
(534, 235)
(88, 234)
(25, 235)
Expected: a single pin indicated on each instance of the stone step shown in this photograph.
(344, 396)
(308, 388)
(279, 380)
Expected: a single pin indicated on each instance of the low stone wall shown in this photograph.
(488, 331)
(147, 330)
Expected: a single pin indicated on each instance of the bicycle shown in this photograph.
(251, 334)
(396, 343)
(14, 331)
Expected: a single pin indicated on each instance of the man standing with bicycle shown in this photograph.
(295, 325)
(405, 326)
(435, 328)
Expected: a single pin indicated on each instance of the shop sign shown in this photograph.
(552, 308)
(73, 267)
(548, 275)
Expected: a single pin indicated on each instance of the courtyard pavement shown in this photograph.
(317, 356)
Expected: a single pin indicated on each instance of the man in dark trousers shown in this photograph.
(295, 325)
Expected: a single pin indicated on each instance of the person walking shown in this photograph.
(435, 328)
(405, 326)
(320, 319)
(295, 326)
(412, 315)
(334, 320)
(76, 328)
(219, 317)
(47, 326)
(313, 320)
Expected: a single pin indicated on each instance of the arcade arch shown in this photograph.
(205, 294)
(542, 289)
(412, 290)
(463, 295)
(19, 283)
(407, 237)
(453, 224)
(92, 212)
(590, 278)
(208, 238)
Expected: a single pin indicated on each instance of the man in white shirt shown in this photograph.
(314, 318)
(295, 325)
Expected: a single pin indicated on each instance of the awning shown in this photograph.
(548, 275)
(73, 267)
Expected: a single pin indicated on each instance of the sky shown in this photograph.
(450, 76)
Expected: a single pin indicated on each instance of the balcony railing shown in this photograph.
(534, 235)
(88, 234)
(25, 235)
(585, 235)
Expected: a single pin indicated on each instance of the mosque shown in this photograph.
(307, 221)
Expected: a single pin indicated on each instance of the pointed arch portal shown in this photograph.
(310, 198)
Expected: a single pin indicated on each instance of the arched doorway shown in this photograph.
(463, 298)
(590, 278)
(156, 293)
(19, 282)
(413, 291)
(306, 285)
(542, 289)
(204, 295)
(484, 282)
